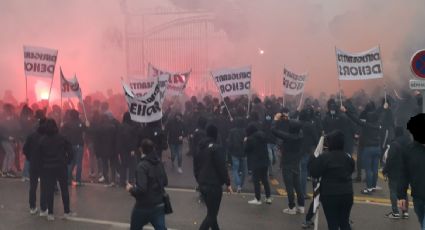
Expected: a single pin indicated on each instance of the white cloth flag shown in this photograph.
(147, 108)
(293, 83)
(39, 61)
(316, 189)
(359, 66)
(70, 88)
(233, 82)
(176, 83)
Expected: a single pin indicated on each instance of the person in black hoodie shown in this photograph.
(211, 174)
(73, 130)
(197, 136)
(371, 152)
(176, 131)
(127, 141)
(413, 170)
(148, 190)
(255, 147)
(392, 170)
(55, 154)
(32, 156)
(291, 155)
(335, 168)
(235, 142)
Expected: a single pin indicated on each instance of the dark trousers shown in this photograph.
(34, 176)
(128, 165)
(337, 209)
(109, 162)
(261, 175)
(48, 182)
(212, 197)
(291, 178)
(141, 217)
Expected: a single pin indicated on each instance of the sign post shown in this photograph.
(417, 65)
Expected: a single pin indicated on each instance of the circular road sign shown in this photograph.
(417, 64)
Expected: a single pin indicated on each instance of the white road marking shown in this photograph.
(107, 222)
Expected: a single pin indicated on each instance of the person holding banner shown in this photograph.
(335, 168)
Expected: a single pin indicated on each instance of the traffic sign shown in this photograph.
(417, 64)
(417, 84)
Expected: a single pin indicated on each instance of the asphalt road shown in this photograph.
(103, 208)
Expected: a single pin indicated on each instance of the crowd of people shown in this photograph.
(245, 137)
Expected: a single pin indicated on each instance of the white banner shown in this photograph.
(39, 61)
(359, 66)
(140, 87)
(144, 109)
(233, 82)
(70, 88)
(176, 83)
(293, 84)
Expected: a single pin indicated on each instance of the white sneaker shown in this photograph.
(68, 215)
(268, 200)
(300, 210)
(179, 170)
(33, 211)
(101, 179)
(110, 185)
(290, 211)
(254, 202)
(377, 188)
(50, 217)
(43, 213)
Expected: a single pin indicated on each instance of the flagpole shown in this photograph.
(382, 69)
(337, 75)
(26, 88)
(227, 108)
(283, 88)
(249, 95)
(84, 106)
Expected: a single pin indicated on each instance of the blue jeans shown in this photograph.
(271, 148)
(176, 152)
(26, 171)
(140, 217)
(304, 174)
(419, 205)
(77, 160)
(239, 170)
(371, 157)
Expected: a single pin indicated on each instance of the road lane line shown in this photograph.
(107, 222)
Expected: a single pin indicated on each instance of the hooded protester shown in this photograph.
(154, 132)
(73, 130)
(255, 147)
(10, 128)
(371, 152)
(32, 156)
(392, 170)
(235, 141)
(27, 123)
(412, 169)
(105, 146)
(176, 131)
(335, 168)
(211, 173)
(197, 136)
(148, 190)
(291, 155)
(126, 147)
(55, 154)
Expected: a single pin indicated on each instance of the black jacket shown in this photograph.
(30, 149)
(175, 129)
(104, 138)
(235, 142)
(412, 171)
(55, 152)
(210, 164)
(392, 168)
(127, 138)
(335, 169)
(310, 137)
(370, 134)
(151, 179)
(290, 148)
(256, 151)
(73, 132)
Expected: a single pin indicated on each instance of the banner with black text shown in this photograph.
(39, 61)
(176, 83)
(70, 88)
(233, 82)
(359, 66)
(293, 84)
